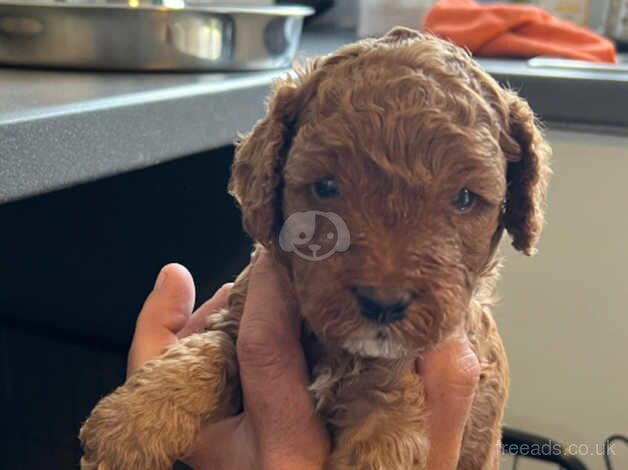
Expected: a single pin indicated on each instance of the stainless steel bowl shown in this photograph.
(148, 35)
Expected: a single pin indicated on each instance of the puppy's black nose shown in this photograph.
(382, 305)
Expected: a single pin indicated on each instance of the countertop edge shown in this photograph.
(57, 150)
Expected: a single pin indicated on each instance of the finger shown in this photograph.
(451, 367)
(268, 340)
(198, 320)
(450, 374)
(164, 313)
(273, 368)
(270, 299)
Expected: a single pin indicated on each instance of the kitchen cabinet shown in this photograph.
(564, 314)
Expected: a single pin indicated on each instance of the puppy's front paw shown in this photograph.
(120, 434)
(153, 419)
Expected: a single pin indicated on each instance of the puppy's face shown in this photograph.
(392, 177)
(420, 189)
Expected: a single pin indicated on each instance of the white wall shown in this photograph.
(598, 13)
(564, 314)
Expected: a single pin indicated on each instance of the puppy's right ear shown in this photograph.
(528, 175)
(258, 163)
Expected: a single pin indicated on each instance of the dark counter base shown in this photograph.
(76, 267)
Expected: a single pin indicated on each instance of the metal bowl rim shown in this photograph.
(278, 10)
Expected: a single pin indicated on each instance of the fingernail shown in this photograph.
(161, 279)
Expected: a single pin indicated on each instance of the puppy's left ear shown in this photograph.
(259, 159)
(528, 175)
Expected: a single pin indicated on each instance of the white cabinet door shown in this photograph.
(564, 314)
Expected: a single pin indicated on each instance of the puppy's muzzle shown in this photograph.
(382, 305)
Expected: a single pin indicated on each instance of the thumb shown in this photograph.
(165, 312)
(450, 374)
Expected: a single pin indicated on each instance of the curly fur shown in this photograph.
(402, 123)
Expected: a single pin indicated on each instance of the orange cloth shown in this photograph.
(501, 30)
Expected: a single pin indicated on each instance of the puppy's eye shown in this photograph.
(326, 188)
(464, 200)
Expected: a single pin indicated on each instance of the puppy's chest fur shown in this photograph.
(352, 391)
(374, 410)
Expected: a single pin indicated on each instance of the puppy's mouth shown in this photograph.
(375, 342)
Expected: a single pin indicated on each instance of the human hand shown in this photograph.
(167, 314)
(278, 428)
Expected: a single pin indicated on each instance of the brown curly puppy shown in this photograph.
(413, 161)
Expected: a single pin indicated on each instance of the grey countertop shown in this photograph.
(62, 128)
